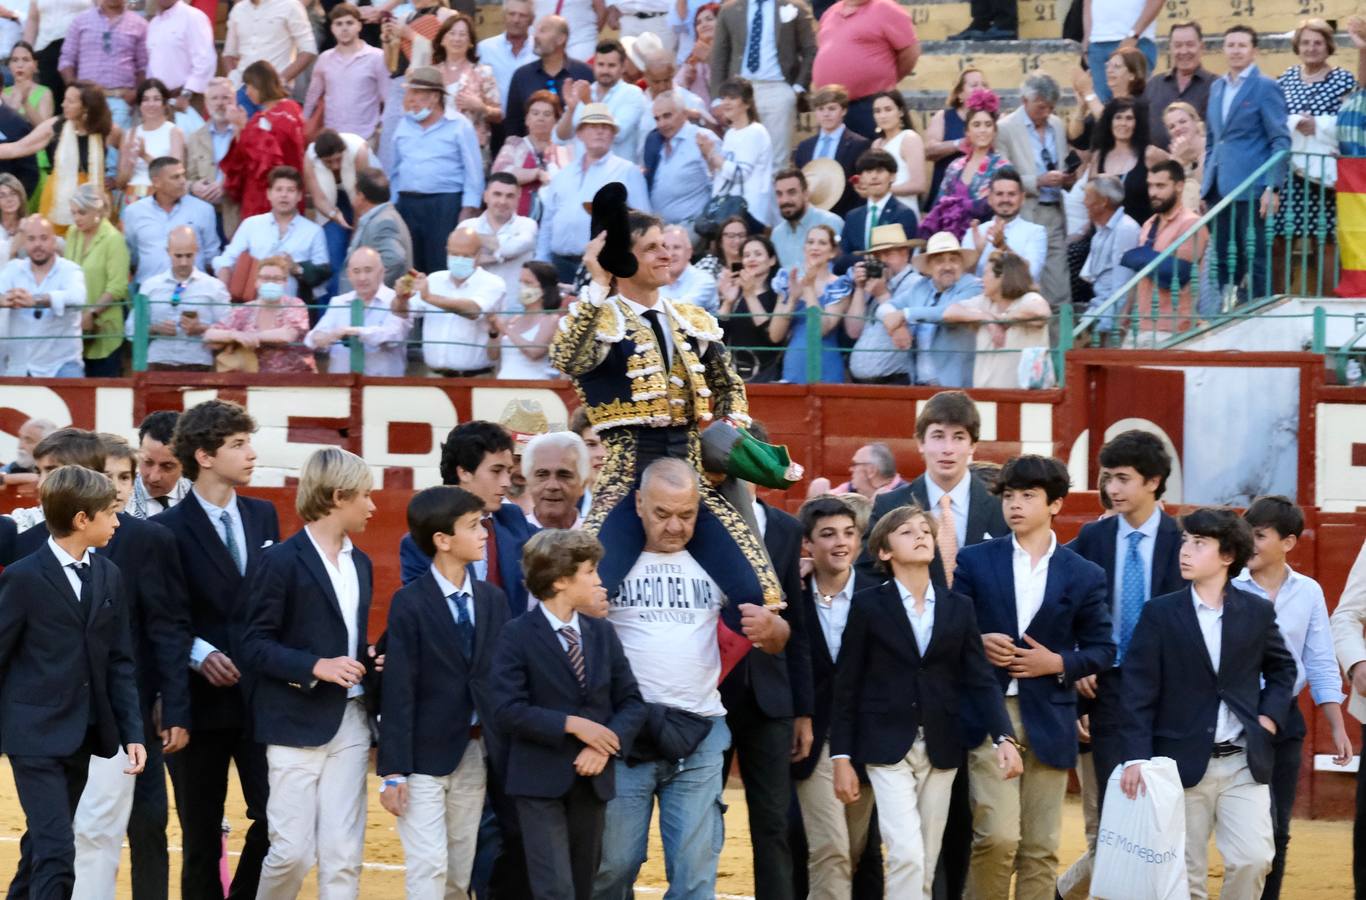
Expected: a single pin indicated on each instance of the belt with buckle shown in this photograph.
(647, 15)
(1225, 748)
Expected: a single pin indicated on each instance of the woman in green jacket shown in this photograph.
(94, 244)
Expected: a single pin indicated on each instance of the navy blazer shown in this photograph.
(781, 682)
(886, 690)
(155, 589)
(9, 533)
(823, 670)
(851, 146)
(62, 662)
(1096, 542)
(511, 531)
(216, 596)
(1172, 692)
(535, 690)
(985, 520)
(855, 237)
(430, 689)
(1256, 129)
(1073, 621)
(294, 619)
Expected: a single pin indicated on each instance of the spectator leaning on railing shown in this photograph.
(264, 335)
(41, 301)
(96, 246)
(180, 304)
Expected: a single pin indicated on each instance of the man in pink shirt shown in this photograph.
(181, 53)
(349, 80)
(867, 46)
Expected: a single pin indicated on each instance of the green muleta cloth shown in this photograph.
(733, 451)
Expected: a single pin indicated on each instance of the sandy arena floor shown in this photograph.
(1319, 868)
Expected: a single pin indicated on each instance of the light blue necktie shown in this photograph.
(230, 540)
(1131, 594)
(823, 151)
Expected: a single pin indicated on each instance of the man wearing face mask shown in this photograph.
(455, 305)
(438, 174)
(506, 239)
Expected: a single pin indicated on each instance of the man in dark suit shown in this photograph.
(769, 710)
(946, 431)
(9, 532)
(13, 127)
(1208, 682)
(772, 68)
(1138, 549)
(1045, 623)
(833, 140)
(64, 629)
(439, 640)
(477, 456)
(875, 170)
(220, 537)
(305, 642)
(558, 674)
(379, 227)
(834, 846)
(160, 637)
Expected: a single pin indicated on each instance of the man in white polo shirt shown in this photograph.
(455, 304)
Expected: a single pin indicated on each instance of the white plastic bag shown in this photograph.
(1141, 845)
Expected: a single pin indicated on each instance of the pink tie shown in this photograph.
(948, 538)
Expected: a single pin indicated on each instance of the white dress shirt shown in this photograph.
(628, 106)
(66, 561)
(346, 585)
(496, 52)
(260, 236)
(448, 590)
(1302, 617)
(1227, 728)
(959, 495)
(833, 612)
(556, 625)
(516, 244)
(273, 30)
(201, 648)
(383, 335)
(662, 308)
(449, 340)
(923, 623)
(202, 293)
(180, 49)
(692, 286)
(1145, 552)
(42, 339)
(1025, 239)
(1030, 583)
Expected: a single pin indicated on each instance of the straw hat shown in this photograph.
(524, 419)
(824, 182)
(939, 243)
(424, 78)
(596, 114)
(890, 237)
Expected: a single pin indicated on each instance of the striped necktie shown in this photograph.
(575, 652)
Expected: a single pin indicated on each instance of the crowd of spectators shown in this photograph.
(153, 181)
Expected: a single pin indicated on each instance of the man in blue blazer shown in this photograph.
(833, 140)
(1247, 126)
(477, 456)
(1045, 624)
(875, 170)
(1208, 681)
(220, 538)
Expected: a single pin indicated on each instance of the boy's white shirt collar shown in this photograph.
(556, 624)
(64, 558)
(448, 587)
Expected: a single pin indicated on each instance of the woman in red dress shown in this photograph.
(274, 136)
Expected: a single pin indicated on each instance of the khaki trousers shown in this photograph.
(836, 835)
(913, 803)
(1229, 802)
(777, 105)
(1015, 824)
(440, 827)
(1055, 282)
(1075, 883)
(316, 813)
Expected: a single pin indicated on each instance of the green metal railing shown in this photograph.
(1238, 261)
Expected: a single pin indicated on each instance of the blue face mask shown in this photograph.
(417, 115)
(461, 267)
(270, 291)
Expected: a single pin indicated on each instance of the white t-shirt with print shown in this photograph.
(666, 614)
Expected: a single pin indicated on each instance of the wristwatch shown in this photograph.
(393, 781)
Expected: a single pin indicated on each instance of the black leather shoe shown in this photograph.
(970, 33)
(999, 34)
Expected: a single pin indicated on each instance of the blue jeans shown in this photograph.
(690, 822)
(122, 115)
(74, 368)
(1098, 53)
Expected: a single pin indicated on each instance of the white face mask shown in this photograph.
(531, 294)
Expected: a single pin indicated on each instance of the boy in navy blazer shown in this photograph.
(910, 663)
(1042, 612)
(568, 703)
(68, 687)
(477, 456)
(305, 640)
(876, 170)
(1208, 682)
(439, 643)
(221, 537)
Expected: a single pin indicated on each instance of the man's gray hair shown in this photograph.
(883, 460)
(672, 472)
(1041, 87)
(46, 426)
(1110, 189)
(556, 440)
(671, 99)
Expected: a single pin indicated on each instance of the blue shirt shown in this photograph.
(440, 159)
(682, 183)
(222, 143)
(1302, 617)
(1145, 552)
(564, 224)
(146, 226)
(789, 238)
(944, 354)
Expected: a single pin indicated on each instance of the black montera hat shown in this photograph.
(609, 213)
